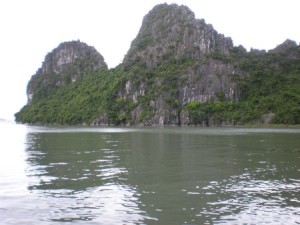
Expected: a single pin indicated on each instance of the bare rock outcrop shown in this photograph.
(67, 63)
(172, 31)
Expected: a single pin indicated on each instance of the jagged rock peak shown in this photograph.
(173, 31)
(67, 53)
(67, 63)
(285, 45)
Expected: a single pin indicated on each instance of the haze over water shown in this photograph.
(83, 175)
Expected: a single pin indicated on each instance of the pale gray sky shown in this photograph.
(32, 28)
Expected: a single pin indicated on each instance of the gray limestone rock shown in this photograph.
(67, 63)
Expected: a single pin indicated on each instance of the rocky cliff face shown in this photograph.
(66, 63)
(171, 34)
(178, 71)
(287, 44)
(173, 61)
(172, 31)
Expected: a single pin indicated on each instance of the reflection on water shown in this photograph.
(242, 198)
(149, 176)
(12, 160)
(82, 178)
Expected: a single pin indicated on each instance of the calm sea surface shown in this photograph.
(69, 175)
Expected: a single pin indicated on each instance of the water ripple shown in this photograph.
(246, 200)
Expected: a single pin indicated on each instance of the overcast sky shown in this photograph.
(32, 28)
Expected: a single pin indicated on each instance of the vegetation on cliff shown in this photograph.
(187, 74)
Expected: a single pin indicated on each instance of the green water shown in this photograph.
(55, 175)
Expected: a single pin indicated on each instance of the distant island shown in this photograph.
(178, 71)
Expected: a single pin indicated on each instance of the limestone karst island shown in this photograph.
(178, 71)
